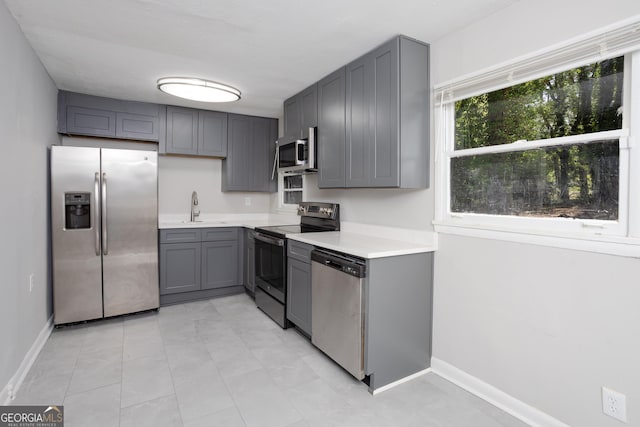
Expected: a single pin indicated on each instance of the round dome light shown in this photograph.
(198, 89)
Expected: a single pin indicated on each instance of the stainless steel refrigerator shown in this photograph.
(104, 214)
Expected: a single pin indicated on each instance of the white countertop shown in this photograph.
(366, 241)
(227, 220)
(362, 245)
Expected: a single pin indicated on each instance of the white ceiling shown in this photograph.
(269, 49)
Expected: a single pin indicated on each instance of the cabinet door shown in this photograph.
(299, 294)
(384, 159)
(90, 121)
(359, 109)
(309, 109)
(292, 117)
(182, 130)
(212, 134)
(331, 130)
(263, 139)
(179, 267)
(137, 126)
(236, 168)
(249, 262)
(220, 264)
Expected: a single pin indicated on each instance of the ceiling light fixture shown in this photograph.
(198, 89)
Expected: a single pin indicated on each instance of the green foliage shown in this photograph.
(542, 182)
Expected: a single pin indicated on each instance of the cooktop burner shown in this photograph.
(314, 217)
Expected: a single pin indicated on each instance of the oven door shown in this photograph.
(271, 267)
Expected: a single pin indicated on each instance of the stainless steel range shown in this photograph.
(271, 255)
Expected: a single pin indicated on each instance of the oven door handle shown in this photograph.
(269, 240)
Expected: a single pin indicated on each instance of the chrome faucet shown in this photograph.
(195, 211)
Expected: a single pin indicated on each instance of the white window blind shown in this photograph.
(615, 40)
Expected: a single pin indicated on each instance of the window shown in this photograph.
(548, 147)
(291, 190)
(542, 149)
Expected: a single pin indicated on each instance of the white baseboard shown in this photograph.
(530, 415)
(10, 390)
(401, 381)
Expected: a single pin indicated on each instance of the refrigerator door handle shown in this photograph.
(105, 243)
(96, 216)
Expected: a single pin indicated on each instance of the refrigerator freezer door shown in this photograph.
(77, 266)
(130, 238)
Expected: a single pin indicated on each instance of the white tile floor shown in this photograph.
(222, 362)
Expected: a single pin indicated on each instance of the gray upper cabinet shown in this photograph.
(212, 134)
(250, 156)
(373, 119)
(182, 130)
(309, 109)
(292, 117)
(196, 132)
(387, 96)
(80, 114)
(301, 113)
(331, 130)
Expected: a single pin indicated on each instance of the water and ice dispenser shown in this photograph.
(77, 211)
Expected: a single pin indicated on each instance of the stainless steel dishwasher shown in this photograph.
(337, 308)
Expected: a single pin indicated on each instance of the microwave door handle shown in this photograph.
(276, 159)
(298, 143)
(311, 147)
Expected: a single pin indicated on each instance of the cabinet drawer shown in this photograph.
(180, 235)
(300, 251)
(218, 234)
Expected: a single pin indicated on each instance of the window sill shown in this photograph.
(611, 245)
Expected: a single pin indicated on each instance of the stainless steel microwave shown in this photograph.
(298, 155)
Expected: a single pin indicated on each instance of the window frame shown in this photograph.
(620, 237)
(288, 207)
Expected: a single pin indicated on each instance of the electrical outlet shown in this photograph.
(247, 201)
(614, 404)
(31, 281)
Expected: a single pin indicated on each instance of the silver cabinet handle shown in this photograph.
(96, 217)
(105, 243)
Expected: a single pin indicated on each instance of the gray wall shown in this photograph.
(547, 326)
(28, 126)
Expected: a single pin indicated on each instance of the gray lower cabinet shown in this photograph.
(179, 267)
(398, 319)
(331, 130)
(196, 132)
(199, 263)
(80, 114)
(250, 155)
(219, 264)
(299, 285)
(249, 261)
